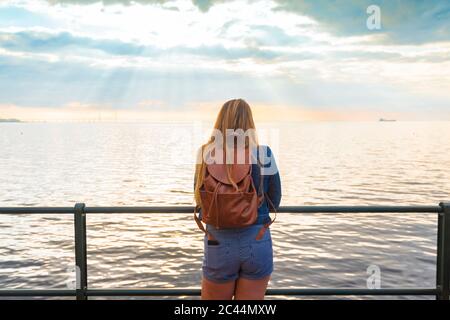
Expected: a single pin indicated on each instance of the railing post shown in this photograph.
(80, 251)
(443, 252)
(439, 253)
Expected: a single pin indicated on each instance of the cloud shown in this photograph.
(107, 2)
(203, 5)
(49, 42)
(403, 21)
(39, 41)
(269, 53)
(268, 35)
(21, 17)
(256, 46)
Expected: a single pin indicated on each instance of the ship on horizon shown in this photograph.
(387, 120)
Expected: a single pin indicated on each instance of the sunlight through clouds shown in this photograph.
(285, 54)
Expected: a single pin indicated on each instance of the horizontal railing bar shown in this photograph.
(361, 209)
(189, 209)
(356, 292)
(158, 209)
(36, 210)
(270, 292)
(196, 292)
(37, 293)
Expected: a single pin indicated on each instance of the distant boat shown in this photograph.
(387, 120)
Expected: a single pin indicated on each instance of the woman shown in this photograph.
(237, 264)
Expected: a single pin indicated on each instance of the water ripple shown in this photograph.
(320, 163)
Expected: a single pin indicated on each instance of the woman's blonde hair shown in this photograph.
(234, 115)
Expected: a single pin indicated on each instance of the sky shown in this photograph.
(123, 60)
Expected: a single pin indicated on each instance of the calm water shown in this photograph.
(152, 164)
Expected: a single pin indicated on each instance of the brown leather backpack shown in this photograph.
(224, 206)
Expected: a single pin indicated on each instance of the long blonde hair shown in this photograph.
(235, 114)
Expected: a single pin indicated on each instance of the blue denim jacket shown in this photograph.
(271, 183)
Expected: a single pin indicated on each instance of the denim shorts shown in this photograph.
(238, 254)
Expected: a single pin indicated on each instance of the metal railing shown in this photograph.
(441, 291)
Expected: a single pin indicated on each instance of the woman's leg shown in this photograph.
(217, 291)
(247, 289)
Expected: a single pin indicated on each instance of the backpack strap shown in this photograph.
(200, 224)
(260, 190)
(197, 209)
(267, 225)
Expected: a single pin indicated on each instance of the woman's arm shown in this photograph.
(274, 192)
